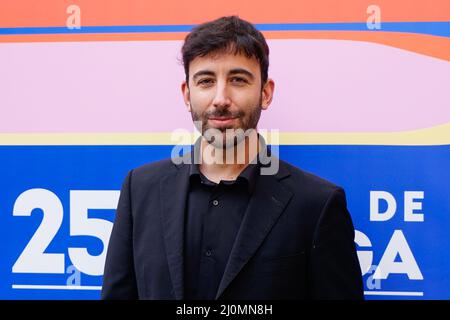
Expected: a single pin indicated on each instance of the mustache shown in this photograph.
(223, 113)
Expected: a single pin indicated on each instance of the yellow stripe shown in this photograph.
(438, 135)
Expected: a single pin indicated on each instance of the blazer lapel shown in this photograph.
(174, 190)
(265, 206)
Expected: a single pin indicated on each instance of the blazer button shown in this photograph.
(215, 202)
(208, 253)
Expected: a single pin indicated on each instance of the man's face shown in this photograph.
(225, 92)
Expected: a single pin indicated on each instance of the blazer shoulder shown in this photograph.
(152, 171)
(312, 194)
(309, 183)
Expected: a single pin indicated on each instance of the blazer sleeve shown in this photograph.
(119, 280)
(334, 271)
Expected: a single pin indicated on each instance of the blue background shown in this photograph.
(359, 169)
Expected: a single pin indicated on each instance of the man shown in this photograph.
(225, 229)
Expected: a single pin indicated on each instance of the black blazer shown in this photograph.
(296, 240)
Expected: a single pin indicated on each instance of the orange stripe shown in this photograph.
(48, 13)
(93, 37)
(438, 47)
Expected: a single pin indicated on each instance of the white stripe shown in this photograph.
(393, 293)
(52, 287)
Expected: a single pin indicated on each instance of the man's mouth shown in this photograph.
(222, 121)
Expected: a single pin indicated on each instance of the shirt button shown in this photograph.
(215, 202)
(208, 253)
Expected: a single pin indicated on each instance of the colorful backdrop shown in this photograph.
(90, 89)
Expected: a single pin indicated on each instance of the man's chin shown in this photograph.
(225, 141)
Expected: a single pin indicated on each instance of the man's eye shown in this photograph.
(238, 80)
(205, 82)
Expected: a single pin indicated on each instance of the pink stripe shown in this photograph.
(321, 86)
(336, 85)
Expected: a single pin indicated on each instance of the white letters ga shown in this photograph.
(397, 246)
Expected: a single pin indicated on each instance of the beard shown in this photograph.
(231, 135)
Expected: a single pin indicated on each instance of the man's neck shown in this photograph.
(227, 164)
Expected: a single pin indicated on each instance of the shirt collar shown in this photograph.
(250, 174)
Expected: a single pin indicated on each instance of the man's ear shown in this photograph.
(267, 93)
(186, 96)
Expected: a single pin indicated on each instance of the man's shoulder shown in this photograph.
(154, 170)
(311, 192)
(308, 182)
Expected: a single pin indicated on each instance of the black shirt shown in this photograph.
(214, 213)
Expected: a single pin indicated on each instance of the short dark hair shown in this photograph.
(227, 34)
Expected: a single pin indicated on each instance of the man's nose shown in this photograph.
(221, 98)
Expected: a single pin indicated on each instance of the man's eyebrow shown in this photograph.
(241, 71)
(203, 73)
(231, 72)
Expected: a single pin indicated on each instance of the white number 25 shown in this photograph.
(34, 260)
